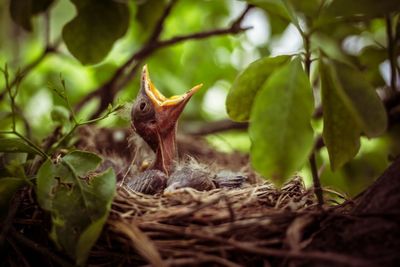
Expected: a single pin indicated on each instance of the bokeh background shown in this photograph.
(214, 61)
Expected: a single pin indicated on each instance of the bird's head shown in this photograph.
(154, 118)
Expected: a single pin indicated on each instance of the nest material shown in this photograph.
(258, 224)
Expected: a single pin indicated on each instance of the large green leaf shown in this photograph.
(341, 127)
(248, 83)
(104, 186)
(280, 129)
(368, 8)
(79, 202)
(363, 97)
(93, 32)
(8, 187)
(21, 11)
(13, 145)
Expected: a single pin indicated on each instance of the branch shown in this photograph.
(33, 246)
(107, 91)
(218, 126)
(28, 68)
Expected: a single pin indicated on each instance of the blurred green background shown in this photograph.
(213, 61)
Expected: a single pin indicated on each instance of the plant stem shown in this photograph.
(391, 53)
(13, 112)
(313, 163)
(61, 140)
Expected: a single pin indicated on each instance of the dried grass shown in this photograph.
(256, 225)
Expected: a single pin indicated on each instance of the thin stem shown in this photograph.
(28, 68)
(391, 53)
(317, 184)
(38, 149)
(12, 96)
(62, 139)
(313, 163)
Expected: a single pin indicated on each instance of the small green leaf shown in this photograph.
(13, 145)
(341, 131)
(93, 32)
(79, 202)
(248, 83)
(280, 129)
(8, 187)
(60, 114)
(363, 97)
(368, 8)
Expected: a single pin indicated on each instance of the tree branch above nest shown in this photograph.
(125, 73)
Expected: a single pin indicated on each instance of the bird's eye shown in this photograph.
(142, 106)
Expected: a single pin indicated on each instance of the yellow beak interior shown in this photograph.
(158, 99)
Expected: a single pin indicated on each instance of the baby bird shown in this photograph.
(154, 117)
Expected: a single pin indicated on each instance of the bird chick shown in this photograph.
(203, 177)
(191, 174)
(154, 118)
(149, 182)
(230, 179)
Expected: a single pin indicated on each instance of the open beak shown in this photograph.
(167, 112)
(159, 101)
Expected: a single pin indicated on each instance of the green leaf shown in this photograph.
(246, 85)
(308, 7)
(275, 7)
(342, 129)
(368, 8)
(78, 200)
(369, 108)
(148, 13)
(13, 145)
(104, 185)
(280, 130)
(60, 114)
(77, 158)
(8, 187)
(93, 32)
(370, 58)
(21, 11)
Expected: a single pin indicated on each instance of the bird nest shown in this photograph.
(227, 227)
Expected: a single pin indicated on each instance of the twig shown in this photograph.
(218, 126)
(141, 242)
(20, 238)
(28, 68)
(391, 53)
(108, 90)
(250, 248)
(7, 222)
